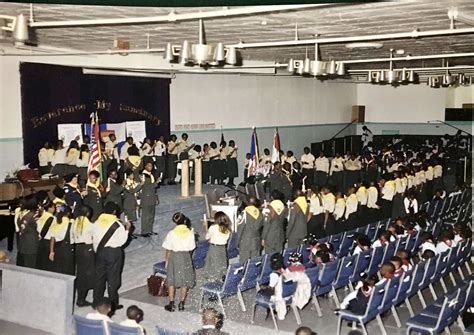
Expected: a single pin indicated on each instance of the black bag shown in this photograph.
(157, 286)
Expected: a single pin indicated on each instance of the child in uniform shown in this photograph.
(217, 235)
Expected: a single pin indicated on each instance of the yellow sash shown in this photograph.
(302, 203)
(43, 218)
(278, 206)
(253, 211)
(81, 223)
(95, 187)
(72, 152)
(151, 176)
(182, 231)
(135, 160)
(105, 220)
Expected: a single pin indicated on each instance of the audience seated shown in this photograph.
(134, 317)
(211, 323)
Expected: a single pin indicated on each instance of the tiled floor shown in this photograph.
(9, 328)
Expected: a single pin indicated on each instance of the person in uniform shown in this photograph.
(124, 150)
(146, 150)
(205, 164)
(352, 204)
(372, 207)
(173, 151)
(321, 165)
(130, 196)
(73, 193)
(82, 164)
(216, 260)
(45, 156)
(339, 210)
(273, 233)
(329, 202)
(297, 222)
(132, 162)
(61, 247)
(45, 222)
(231, 165)
(221, 163)
(307, 165)
(108, 237)
(179, 243)
(148, 199)
(214, 161)
(249, 240)
(159, 155)
(72, 154)
(94, 196)
(387, 191)
(336, 172)
(113, 190)
(353, 167)
(28, 240)
(59, 159)
(85, 257)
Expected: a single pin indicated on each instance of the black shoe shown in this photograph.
(84, 303)
(336, 311)
(181, 306)
(170, 307)
(213, 298)
(118, 307)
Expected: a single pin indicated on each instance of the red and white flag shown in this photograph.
(276, 147)
(95, 155)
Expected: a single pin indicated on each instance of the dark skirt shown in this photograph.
(214, 169)
(82, 172)
(180, 271)
(42, 258)
(320, 178)
(85, 266)
(59, 170)
(216, 262)
(64, 258)
(70, 169)
(337, 180)
(45, 169)
(205, 171)
(160, 164)
(330, 228)
(232, 168)
(316, 225)
(172, 167)
(398, 207)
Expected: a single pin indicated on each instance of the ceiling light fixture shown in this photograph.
(201, 54)
(20, 30)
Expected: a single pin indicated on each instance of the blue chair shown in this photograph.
(388, 302)
(371, 312)
(345, 272)
(413, 242)
(264, 276)
(327, 274)
(264, 301)
(362, 264)
(313, 275)
(464, 256)
(406, 280)
(432, 325)
(116, 329)
(390, 250)
(336, 241)
(418, 274)
(305, 253)
(430, 271)
(253, 268)
(232, 250)
(228, 288)
(88, 327)
(199, 258)
(372, 230)
(453, 264)
(375, 260)
(442, 268)
(347, 243)
(164, 331)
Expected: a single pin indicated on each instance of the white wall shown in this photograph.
(234, 101)
(411, 103)
(458, 96)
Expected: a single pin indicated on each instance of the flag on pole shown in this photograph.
(95, 155)
(252, 169)
(276, 147)
(222, 136)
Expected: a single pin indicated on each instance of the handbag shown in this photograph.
(157, 286)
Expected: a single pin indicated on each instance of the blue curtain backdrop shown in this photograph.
(53, 94)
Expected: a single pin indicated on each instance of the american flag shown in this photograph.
(253, 164)
(94, 160)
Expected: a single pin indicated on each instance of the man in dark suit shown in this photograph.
(148, 198)
(211, 323)
(94, 196)
(113, 190)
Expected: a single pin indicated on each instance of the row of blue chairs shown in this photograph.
(400, 289)
(84, 326)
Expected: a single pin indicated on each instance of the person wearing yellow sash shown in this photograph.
(217, 235)
(61, 251)
(85, 256)
(95, 195)
(130, 196)
(73, 193)
(133, 162)
(298, 218)
(329, 203)
(249, 239)
(179, 243)
(82, 164)
(387, 191)
(273, 234)
(72, 155)
(45, 222)
(339, 209)
(352, 203)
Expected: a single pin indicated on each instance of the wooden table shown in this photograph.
(17, 189)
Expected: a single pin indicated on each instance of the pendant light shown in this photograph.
(168, 54)
(382, 77)
(341, 69)
(219, 52)
(231, 57)
(391, 74)
(185, 53)
(461, 79)
(20, 31)
(291, 66)
(411, 76)
(332, 67)
(403, 77)
(306, 64)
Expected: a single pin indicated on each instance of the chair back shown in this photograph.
(375, 300)
(402, 243)
(250, 190)
(347, 243)
(390, 293)
(371, 231)
(289, 289)
(430, 270)
(264, 277)
(412, 242)
(362, 264)
(327, 274)
(242, 193)
(86, 326)
(232, 250)
(200, 253)
(346, 270)
(234, 275)
(404, 285)
(336, 240)
(253, 268)
(390, 250)
(305, 253)
(260, 191)
(446, 314)
(376, 259)
(313, 275)
(116, 329)
(164, 331)
(418, 273)
(442, 264)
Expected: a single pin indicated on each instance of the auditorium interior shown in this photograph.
(281, 94)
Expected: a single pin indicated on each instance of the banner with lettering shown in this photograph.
(54, 94)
